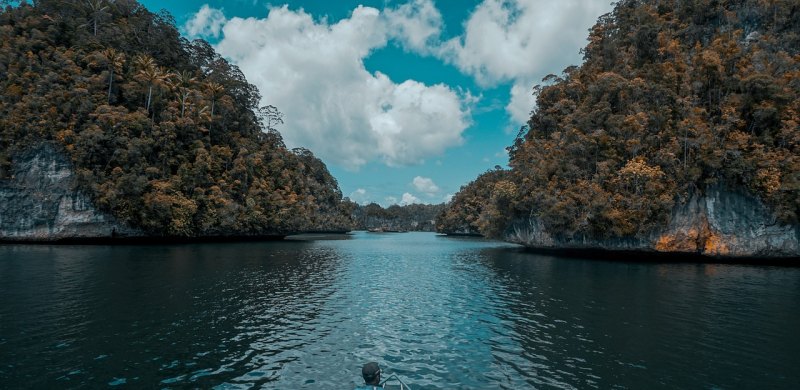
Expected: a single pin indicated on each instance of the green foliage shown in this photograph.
(673, 97)
(164, 133)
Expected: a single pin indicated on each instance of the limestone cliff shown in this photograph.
(719, 223)
(40, 203)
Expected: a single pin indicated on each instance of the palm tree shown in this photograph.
(153, 74)
(95, 9)
(115, 61)
(183, 82)
(214, 91)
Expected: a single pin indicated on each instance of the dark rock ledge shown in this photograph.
(40, 204)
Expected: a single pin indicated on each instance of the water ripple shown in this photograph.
(440, 312)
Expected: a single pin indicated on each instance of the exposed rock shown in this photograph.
(40, 203)
(719, 223)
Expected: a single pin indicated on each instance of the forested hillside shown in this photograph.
(674, 98)
(163, 133)
(413, 217)
(474, 209)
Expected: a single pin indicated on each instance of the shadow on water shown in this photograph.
(587, 323)
(163, 314)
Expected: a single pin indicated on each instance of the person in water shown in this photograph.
(372, 376)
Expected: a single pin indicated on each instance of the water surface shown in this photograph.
(440, 312)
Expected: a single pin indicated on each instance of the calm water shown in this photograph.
(441, 312)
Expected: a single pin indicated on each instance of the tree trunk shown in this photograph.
(149, 95)
(110, 81)
(211, 122)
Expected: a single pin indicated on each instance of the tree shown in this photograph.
(95, 9)
(270, 116)
(115, 60)
(672, 99)
(152, 74)
(213, 91)
(182, 82)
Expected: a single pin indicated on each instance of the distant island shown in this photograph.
(412, 217)
(112, 125)
(680, 133)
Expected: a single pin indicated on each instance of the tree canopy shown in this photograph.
(673, 97)
(412, 217)
(163, 132)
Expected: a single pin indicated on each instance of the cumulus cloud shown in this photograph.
(206, 23)
(314, 73)
(313, 70)
(522, 101)
(359, 196)
(426, 185)
(409, 199)
(522, 41)
(417, 24)
(509, 39)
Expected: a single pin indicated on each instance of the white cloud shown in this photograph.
(205, 23)
(522, 101)
(314, 73)
(447, 198)
(424, 184)
(359, 196)
(313, 70)
(522, 41)
(417, 24)
(409, 199)
(509, 39)
(390, 200)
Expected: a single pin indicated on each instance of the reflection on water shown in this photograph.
(440, 312)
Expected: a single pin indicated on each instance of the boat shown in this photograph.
(396, 383)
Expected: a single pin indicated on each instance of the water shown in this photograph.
(440, 312)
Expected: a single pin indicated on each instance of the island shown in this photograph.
(113, 126)
(679, 134)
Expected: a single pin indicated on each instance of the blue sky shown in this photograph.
(405, 101)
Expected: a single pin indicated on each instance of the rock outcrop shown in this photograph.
(719, 223)
(40, 203)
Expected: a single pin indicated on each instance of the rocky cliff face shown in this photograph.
(720, 223)
(40, 203)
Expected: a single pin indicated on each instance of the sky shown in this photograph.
(404, 100)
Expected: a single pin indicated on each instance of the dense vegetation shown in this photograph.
(163, 133)
(477, 207)
(413, 217)
(674, 97)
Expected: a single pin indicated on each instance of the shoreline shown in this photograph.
(139, 240)
(644, 256)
